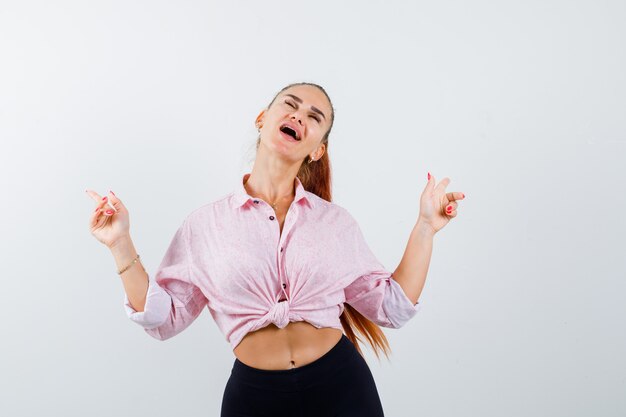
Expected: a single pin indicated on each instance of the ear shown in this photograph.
(319, 152)
(259, 119)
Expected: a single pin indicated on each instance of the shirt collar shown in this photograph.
(241, 196)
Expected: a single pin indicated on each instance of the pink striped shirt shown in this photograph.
(230, 256)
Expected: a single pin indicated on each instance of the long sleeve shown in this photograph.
(173, 300)
(374, 293)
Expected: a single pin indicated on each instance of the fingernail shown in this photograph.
(108, 212)
(449, 208)
(429, 175)
(104, 198)
(463, 195)
(111, 192)
(97, 208)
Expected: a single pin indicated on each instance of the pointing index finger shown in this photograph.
(94, 195)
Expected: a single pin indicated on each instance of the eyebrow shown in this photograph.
(299, 100)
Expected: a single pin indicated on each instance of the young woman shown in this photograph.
(283, 271)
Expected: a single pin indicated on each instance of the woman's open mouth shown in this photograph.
(289, 134)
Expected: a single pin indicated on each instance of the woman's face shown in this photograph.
(308, 111)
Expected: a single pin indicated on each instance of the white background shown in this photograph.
(520, 104)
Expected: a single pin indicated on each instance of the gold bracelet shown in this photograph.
(131, 264)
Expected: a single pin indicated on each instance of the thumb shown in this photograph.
(115, 202)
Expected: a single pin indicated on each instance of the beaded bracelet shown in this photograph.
(131, 264)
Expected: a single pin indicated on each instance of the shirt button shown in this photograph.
(281, 249)
(284, 285)
(256, 201)
(271, 217)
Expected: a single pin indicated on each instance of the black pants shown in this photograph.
(338, 384)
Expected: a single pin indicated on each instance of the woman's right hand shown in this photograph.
(107, 225)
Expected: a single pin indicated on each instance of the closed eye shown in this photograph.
(317, 119)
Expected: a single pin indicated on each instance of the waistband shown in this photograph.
(295, 378)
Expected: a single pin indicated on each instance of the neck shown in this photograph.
(273, 188)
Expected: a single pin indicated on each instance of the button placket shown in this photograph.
(281, 243)
(272, 218)
(286, 228)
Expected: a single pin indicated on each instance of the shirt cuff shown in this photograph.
(397, 306)
(157, 308)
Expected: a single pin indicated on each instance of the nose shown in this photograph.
(294, 117)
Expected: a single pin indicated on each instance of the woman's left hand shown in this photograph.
(436, 206)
